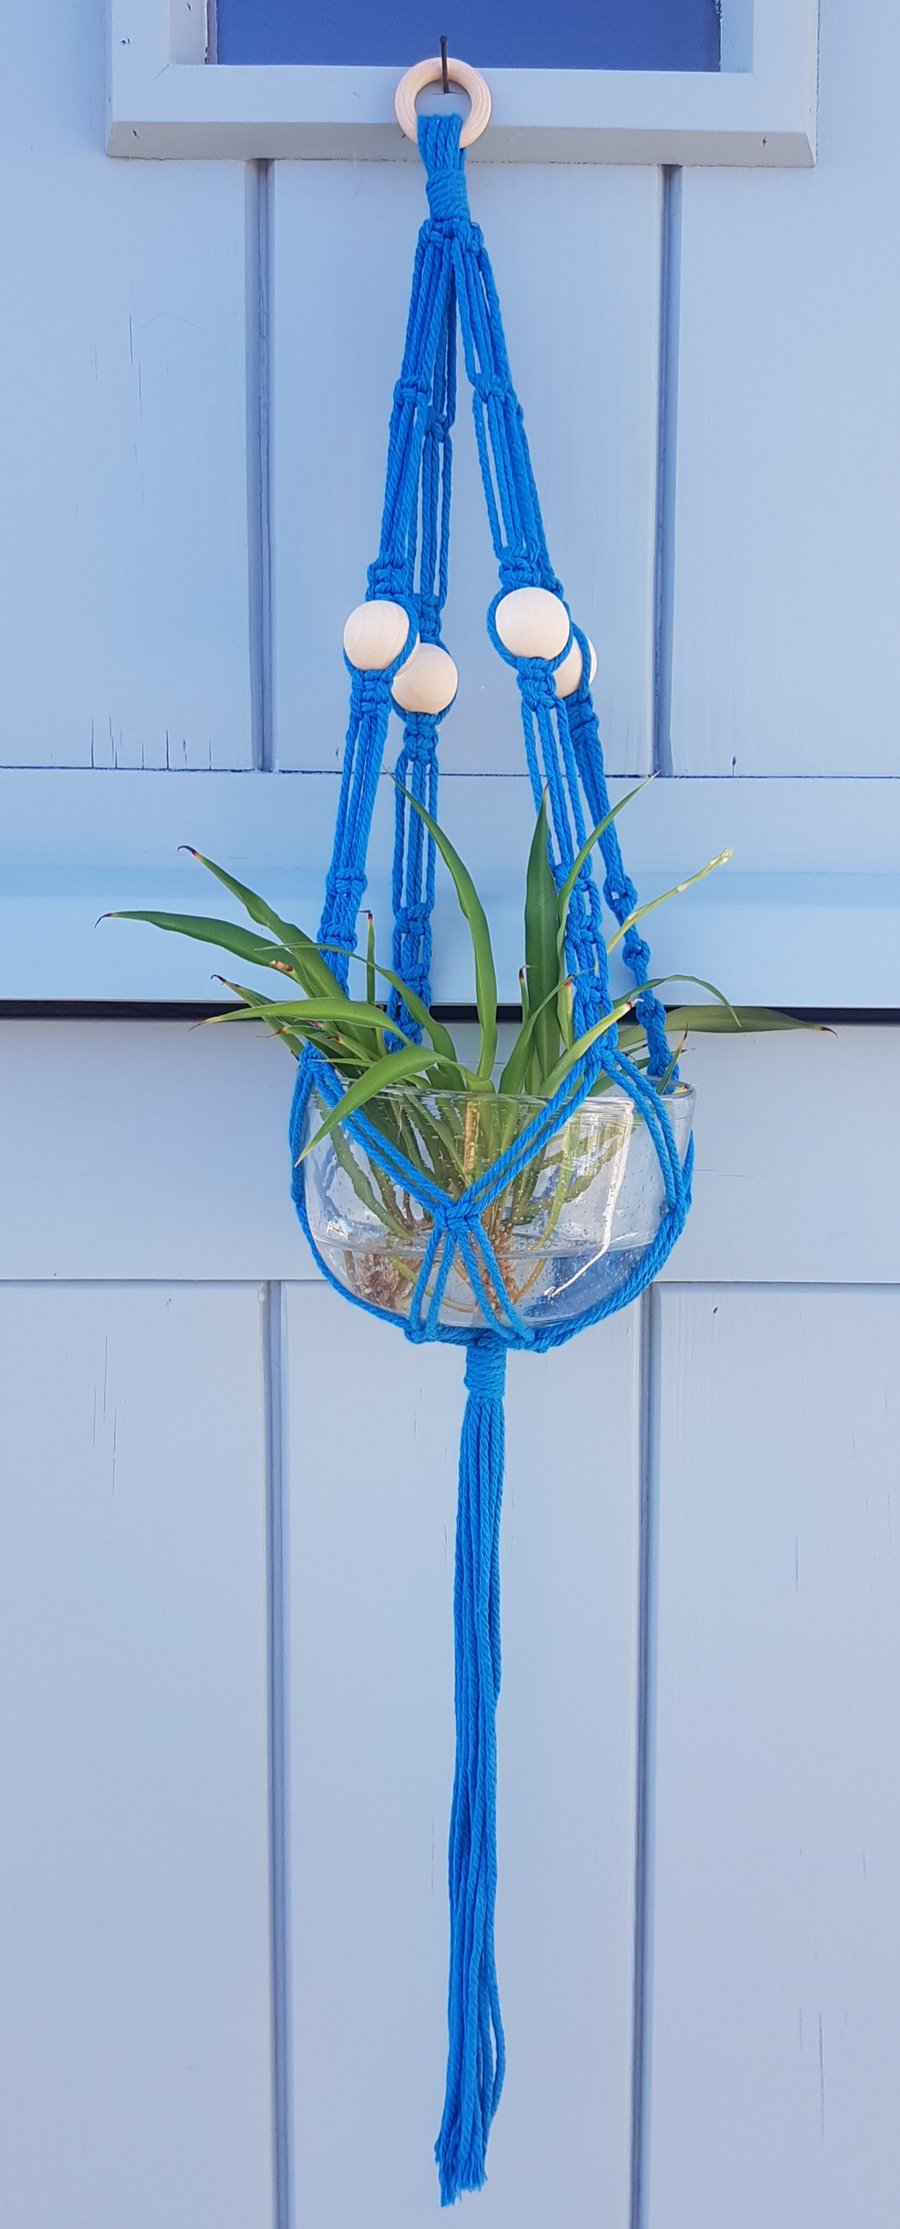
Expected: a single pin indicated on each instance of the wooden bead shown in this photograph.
(568, 675)
(428, 681)
(532, 623)
(375, 634)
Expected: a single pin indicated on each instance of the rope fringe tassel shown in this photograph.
(477, 2055)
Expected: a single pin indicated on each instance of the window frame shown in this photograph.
(757, 111)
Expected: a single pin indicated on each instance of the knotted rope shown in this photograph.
(477, 2053)
(454, 295)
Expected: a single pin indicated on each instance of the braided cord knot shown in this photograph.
(445, 177)
(371, 690)
(447, 197)
(414, 915)
(420, 737)
(536, 684)
(486, 1368)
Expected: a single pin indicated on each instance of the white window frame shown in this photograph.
(759, 110)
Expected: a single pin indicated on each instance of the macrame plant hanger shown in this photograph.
(453, 294)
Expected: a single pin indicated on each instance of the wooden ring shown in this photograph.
(431, 73)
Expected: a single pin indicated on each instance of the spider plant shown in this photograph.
(448, 1118)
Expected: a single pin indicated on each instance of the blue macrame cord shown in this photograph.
(454, 299)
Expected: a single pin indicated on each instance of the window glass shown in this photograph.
(510, 34)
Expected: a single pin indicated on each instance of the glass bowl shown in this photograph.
(564, 1233)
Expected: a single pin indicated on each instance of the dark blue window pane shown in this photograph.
(524, 34)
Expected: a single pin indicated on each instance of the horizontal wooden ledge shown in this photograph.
(165, 101)
(265, 138)
(560, 116)
(807, 914)
(64, 816)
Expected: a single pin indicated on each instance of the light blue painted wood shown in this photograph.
(123, 551)
(567, 242)
(161, 1117)
(837, 945)
(776, 1958)
(788, 468)
(155, 1179)
(166, 1577)
(371, 1492)
(132, 1632)
(806, 913)
(134, 1932)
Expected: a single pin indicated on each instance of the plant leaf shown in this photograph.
(473, 910)
(440, 1037)
(582, 1045)
(657, 982)
(713, 1019)
(516, 1069)
(565, 1007)
(304, 952)
(343, 1053)
(394, 1068)
(720, 860)
(542, 963)
(583, 856)
(255, 998)
(300, 1013)
(660, 1083)
(226, 934)
(382, 1206)
(370, 958)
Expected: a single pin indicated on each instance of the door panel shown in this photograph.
(788, 474)
(136, 1736)
(123, 429)
(134, 1861)
(372, 1432)
(775, 1960)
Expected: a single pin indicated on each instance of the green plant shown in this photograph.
(421, 1094)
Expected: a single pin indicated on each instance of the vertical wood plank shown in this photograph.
(576, 255)
(134, 1940)
(373, 1430)
(776, 1958)
(788, 472)
(122, 428)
